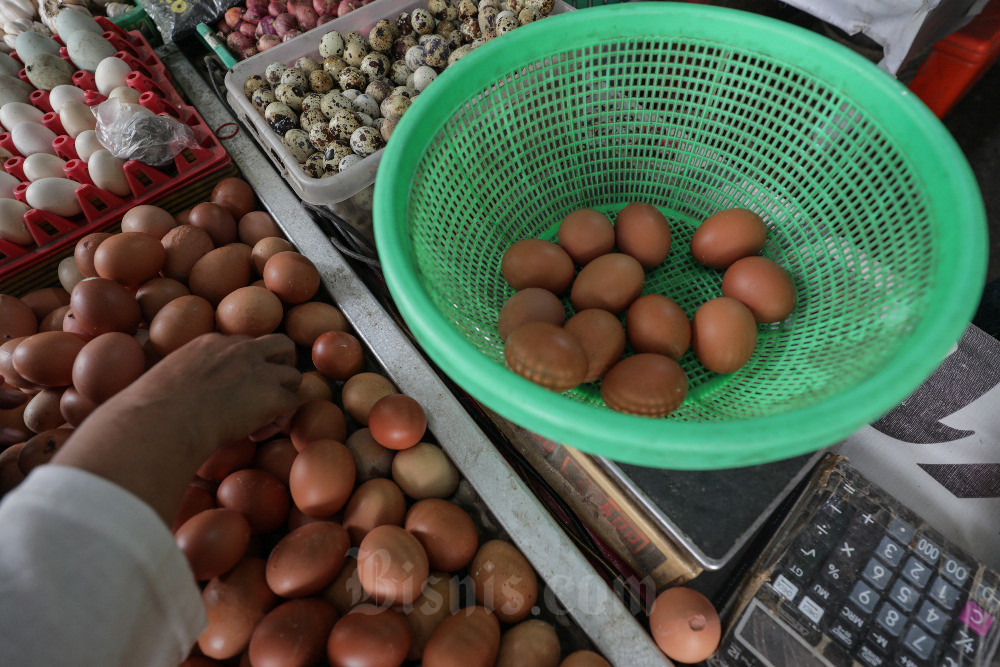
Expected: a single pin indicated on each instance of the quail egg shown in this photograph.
(336, 152)
(410, 82)
(354, 36)
(375, 65)
(445, 28)
(469, 28)
(515, 5)
(382, 35)
(387, 127)
(403, 24)
(365, 104)
(455, 39)
(379, 89)
(348, 161)
(365, 200)
(423, 77)
(459, 53)
(506, 21)
(321, 136)
(354, 53)
(422, 21)
(407, 91)
(333, 64)
(398, 72)
(528, 15)
(320, 82)
(394, 106)
(252, 83)
(332, 44)
(351, 77)
(415, 58)
(350, 94)
(295, 77)
(436, 51)
(365, 118)
(273, 73)
(402, 45)
(467, 10)
(437, 8)
(366, 140)
(488, 19)
(261, 98)
(483, 4)
(333, 101)
(312, 101)
(343, 124)
(315, 166)
(543, 7)
(307, 65)
(280, 117)
(290, 94)
(297, 142)
(311, 118)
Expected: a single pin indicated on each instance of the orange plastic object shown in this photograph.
(958, 61)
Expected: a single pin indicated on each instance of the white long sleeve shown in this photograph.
(90, 575)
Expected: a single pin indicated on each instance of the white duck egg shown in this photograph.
(126, 94)
(13, 89)
(43, 165)
(13, 113)
(60, 95)
(12, 227)
(7, 185)
(8, 65)
(68, 22)
(76, 117)
(46, 71)
(55, 195)
(110, 74)
(30, 138)
(87, 144)
(87, 49)
(30, 43)
(108, 173)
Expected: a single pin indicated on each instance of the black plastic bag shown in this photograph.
(177, 19)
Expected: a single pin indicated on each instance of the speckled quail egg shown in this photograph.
(366, 104)
(379, 89)
(506, 21)
(350, 94)
(467, 10)
(280, 117)
(352, 77)
(398, 72)
(297, 142)
(333, 101)
(382, 35)
(487, 19)
(477, 42)
(320, 82)
(387, 127)
(528, 15)
(455, 39)
(321, 136)
(394, 106)
(403, 24)
(290, 94)
(312, 101)
(261, 98)
(336, 152)
(348, 161)
(308, 65)
(445, 28)
(543, 7)
(355, 52)
(310, 119)
(469, 28)
(402, 45)
(411, 80)
(405, 91)
(333, 64)
(423, 77)
(354, 36)
(459, 53)
(515, 5)
(437, 8)
(365, 118)
(436, 51)
(343, 124)
(252, 83)
(365, 199)
(483, 4)
(422, 21)
(295, 77)
(415, 58)
(451, 14)
(315, 166)
(332, 44)
(273, 73)
(375, 65)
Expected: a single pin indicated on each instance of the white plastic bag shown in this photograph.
(133, 132)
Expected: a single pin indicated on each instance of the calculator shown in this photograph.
(853, 577)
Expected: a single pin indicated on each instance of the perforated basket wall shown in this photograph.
(869, 204)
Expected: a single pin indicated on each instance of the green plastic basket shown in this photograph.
(870, 206)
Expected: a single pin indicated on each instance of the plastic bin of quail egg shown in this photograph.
(323, 105)
(57, 176)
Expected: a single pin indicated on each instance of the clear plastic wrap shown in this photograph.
(133, 132)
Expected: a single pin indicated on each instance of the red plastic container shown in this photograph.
(959, 61)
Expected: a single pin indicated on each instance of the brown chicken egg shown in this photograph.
(338, 355)
(227, 459)
(371, 459)
(531, 642)
(42, 412)
(184, 246)
(194, 501)
(258, 496)
(397, 421)
(610, 282)
(305, 322)
(106, 365)
(213, 541)
(644, 233)
(532, 304)
(40, 448)
(235, 602)
(16, 318)
(602, 338)
(392, 565)
(293, 633)
(292, 276)
(256, 225)
(655, 323)
(504, 580)
(439, 598)
(317, 420)
(130, 258)
(468, 638)
(425, 471)
(369, 635)
(346, 593)
(276, 457)
(54, 320)
(446, 532)
(322, 478)
(377, 502)
(235, 195)
(267, 248)
(314, 386)
(220, 272)
(586, 234)
(727, 236)
(179, 322)
(584, 658)
(74, 407)
(217, 221)
(46, 359)
(362, 391)
(40, 301)
(537, 263)
(156, 293)
(547, 355)
(762, 286)
(148, 219)
(306, 560)
(249, 311)
(7, 370)
(645, 384)
(83, 252)
(100, 305)
(685, 625)
(69, 274)
(723, 334)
